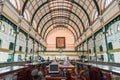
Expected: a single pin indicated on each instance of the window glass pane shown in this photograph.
(3, 28)
(25, 15)
(10, 32)
(110, 46)
(118, 27)
(13, 3)
(107, 3)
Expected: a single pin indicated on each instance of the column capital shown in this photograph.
(27, 39)
(100, 17)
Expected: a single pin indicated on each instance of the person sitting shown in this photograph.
(66, 62)
(36, 74)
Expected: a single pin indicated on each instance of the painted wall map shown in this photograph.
(60, 42)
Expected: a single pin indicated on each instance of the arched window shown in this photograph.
(34, 24)
(118, 27)
(27, 15)
(94, 15)
(107, 2)
(11, 32)
(14, 3)
(3, 28)
(110, 31)
(100, 36)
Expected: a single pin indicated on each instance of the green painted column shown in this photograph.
(77, 49)
(105, 32)
(40, 47)
(88, 51)
(15, 41)
(37, 49)
(43, 49)
(83, 48)
(83, 51)
(95, 48)
(33, 49)
(27, 38)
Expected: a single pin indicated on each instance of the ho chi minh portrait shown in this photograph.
(60, 42)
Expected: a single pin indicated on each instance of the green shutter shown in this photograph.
(11, 46)
(101, 48)
(20, 48)
(110, 46)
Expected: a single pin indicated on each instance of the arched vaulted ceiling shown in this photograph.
(77, 14)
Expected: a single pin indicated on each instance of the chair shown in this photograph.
(108, 76)
(34, 74)
(95, 74)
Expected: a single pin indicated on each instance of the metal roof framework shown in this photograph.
(73, 13)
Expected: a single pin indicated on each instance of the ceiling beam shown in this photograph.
(98, 9)
(23, 8)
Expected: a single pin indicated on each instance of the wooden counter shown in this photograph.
(10, 69)
(107, 68)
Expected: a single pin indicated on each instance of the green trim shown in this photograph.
(99, 31)
(23, 32)
(95, 48)
(112, 22)
(3, 18)
(106, 26)
(107, 48)
(26, 50)
(14, 48)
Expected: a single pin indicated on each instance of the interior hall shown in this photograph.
(59, 39)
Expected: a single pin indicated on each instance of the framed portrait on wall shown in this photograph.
(60, 42)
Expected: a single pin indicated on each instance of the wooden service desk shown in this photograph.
(7, 73)
(10, 69)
